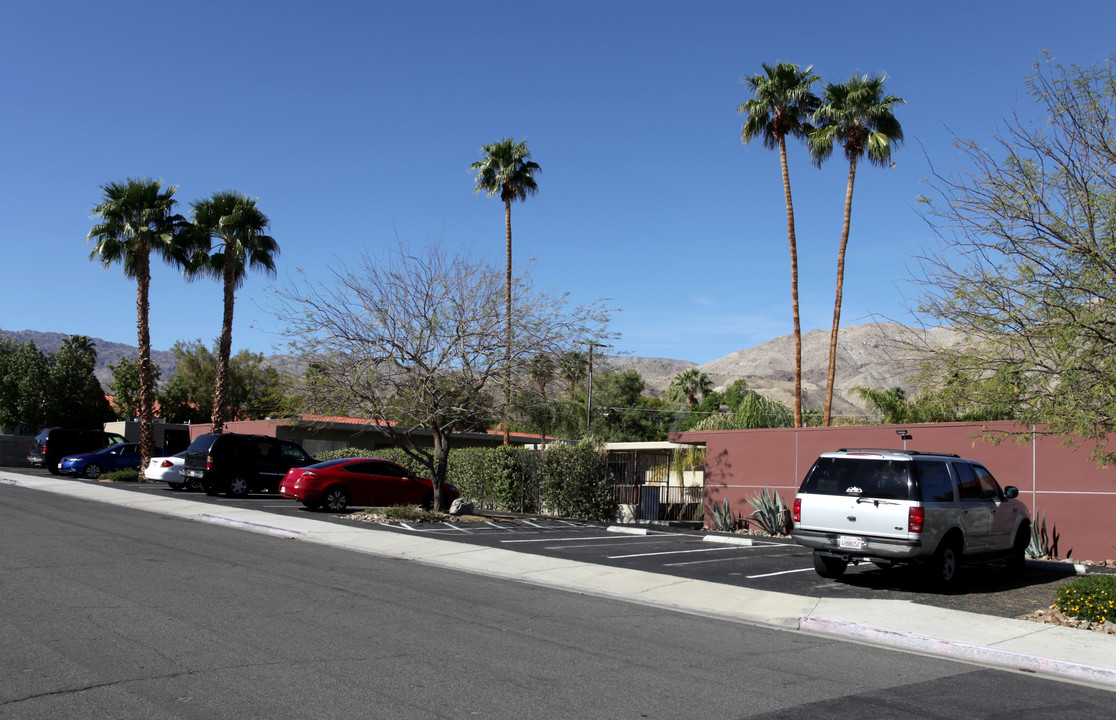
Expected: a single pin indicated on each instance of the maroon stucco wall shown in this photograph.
(1077, 497)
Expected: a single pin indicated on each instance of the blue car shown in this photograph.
(123, 456)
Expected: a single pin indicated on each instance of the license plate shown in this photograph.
(850, 543)
(192, 473)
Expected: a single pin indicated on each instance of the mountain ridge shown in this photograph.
(873, 355)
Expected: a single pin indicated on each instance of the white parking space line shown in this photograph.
(500, 527)
(717, 560)
(672, 552)
(784, 572)
(459, 529)
(550, 539)
(534, 525)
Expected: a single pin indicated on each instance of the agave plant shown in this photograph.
(771, 515)
(723, 519)
(1043, 545)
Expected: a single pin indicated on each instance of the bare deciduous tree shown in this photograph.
(416, 342)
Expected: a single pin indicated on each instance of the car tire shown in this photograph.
(946, 564)
(428, 501)
(335, 499)
(193, 485)
(1017, 563)
(238, 487)
(52, 467)
(829, 567)
(92, 471)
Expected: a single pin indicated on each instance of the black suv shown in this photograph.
(50, 445)
(240, 464)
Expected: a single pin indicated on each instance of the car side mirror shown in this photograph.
(1011, 492)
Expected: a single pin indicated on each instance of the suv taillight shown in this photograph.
(796, 514)
(208, 462)
(915, 518)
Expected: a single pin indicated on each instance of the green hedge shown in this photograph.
(568, 481)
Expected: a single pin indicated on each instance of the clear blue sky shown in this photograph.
(355, 123)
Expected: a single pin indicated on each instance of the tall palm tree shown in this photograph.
(781, 106)
(857, 115)
(236, 241)
(137, 218)
(507, 169)
(688, 385)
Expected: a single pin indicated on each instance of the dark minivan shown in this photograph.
(240, 464)
(52, 444)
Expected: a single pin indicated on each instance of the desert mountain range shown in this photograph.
(874, 355)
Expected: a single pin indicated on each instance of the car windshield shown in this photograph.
(859, 477)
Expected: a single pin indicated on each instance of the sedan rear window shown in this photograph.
(884, 479)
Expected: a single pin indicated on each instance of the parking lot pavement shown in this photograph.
(897, 623)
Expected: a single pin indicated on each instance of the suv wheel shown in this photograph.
(946, 563)
(829, 567)
(238, 487)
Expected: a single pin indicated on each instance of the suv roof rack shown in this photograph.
(900, 452)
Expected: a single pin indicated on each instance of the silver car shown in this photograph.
(904, 506)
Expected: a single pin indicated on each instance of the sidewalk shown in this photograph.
(1001, 642)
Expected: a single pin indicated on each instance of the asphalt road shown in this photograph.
(768, 564)
(113, 612)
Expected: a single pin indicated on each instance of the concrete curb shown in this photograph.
(983, 654)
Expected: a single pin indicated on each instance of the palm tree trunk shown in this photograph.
(508, 310)
(143, 333)
(794, 286)
(840, 290)
(224, 350)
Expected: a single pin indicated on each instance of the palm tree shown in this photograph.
(136, 219)
(233, 223)
(781, 106)
(507, 169)
(688, 385)
(858, 115)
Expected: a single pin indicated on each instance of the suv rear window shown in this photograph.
(884, 479)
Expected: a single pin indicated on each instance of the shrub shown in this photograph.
(1092, 598)
(120, 476)
(574, 482)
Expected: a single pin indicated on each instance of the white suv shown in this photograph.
(904, 506)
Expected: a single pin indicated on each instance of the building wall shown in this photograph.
(1077, 497)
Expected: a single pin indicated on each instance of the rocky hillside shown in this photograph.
(877, 355)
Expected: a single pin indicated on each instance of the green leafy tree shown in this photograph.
(124, 387)
(507, 170)
(23, 385)
(1026, 270)
(857, 115)
(75, 397)
(781, 107)
(135, 219)
(234, 228)
(690, 386)
(255, 390)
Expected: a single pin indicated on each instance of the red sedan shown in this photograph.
(334, 485)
